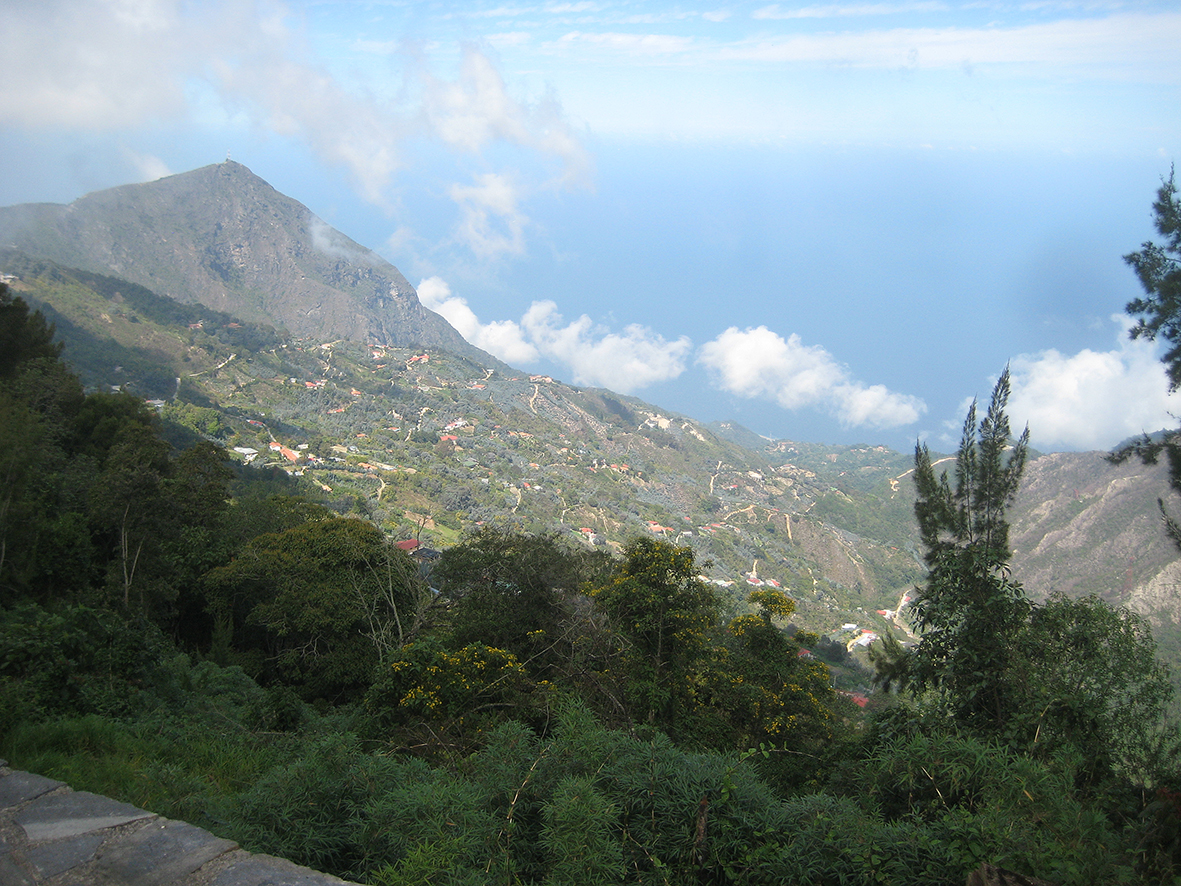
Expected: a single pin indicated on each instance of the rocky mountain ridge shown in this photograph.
(1081, 525)
(222, 237)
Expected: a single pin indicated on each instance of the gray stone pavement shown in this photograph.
(53, 836)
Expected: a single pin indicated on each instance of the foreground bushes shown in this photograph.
(560, 800)
(588, 805)
(584, 804)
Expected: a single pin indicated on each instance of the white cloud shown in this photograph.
(502, 11)
(875, 406)
(292, 98)
(1124, 45)
(328, 240)
(433, 292)
(148, 167)
(572, 7)
(622, 362)
(97, 64)
(106, 64)
(402, 240)
(502, 338)
(634, 44)
(474, 110)
(761, 363)
(1092, 399)
(774, 11)
(491, 223)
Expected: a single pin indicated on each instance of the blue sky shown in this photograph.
(832, 222)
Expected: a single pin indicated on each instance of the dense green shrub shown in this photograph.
(309, 809)
(647, 811)
(983, 801)
(73, 659)
(433, 825)
(577, 834)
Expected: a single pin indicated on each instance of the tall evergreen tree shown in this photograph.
(1158, 267)
(1158, 313)
(988, 469)
(969, 610)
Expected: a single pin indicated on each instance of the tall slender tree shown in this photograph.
(1158, 314)
(969, 610)
(1158, 267)
(988, 469)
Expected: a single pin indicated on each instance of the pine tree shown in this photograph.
(1159, 271)
(987, 473)
(1158, 313)
(969, 610)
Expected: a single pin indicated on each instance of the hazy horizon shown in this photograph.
(830, 223)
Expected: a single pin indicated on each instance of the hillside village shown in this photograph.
(470, 439)
(517, 447)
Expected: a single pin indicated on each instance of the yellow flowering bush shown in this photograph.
(449, 692)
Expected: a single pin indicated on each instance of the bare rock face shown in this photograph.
(222, 237)
(1081, 525)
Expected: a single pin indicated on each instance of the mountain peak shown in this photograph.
(223, 237)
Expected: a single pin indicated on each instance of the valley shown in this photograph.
(431, 445)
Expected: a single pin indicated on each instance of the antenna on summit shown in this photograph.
(227, 156)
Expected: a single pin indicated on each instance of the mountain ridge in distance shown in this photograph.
(222, 237)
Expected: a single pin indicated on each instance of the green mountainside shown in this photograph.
(430, 444)
(259, 325)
